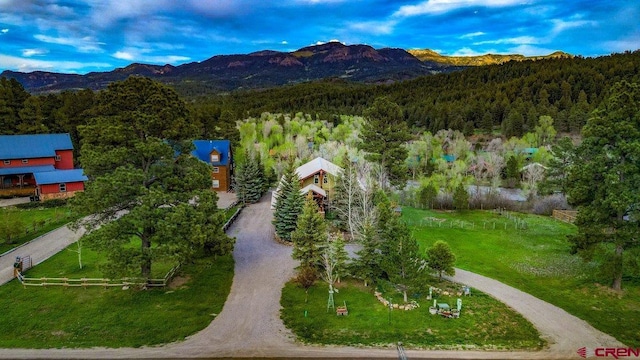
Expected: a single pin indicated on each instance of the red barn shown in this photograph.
(43, 162)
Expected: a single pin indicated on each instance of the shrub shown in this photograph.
(43, 204)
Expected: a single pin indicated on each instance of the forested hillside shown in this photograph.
(507, 98)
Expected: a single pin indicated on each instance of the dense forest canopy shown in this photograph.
(510, 97)
(507, 99)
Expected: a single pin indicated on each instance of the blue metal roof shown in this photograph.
(60, 176)
(205, 147)
(33, 146)
(25, 169)
(449, 158)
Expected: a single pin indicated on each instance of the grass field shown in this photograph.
(484, 323)
(66, 264)
(55, 317)
(32, 223)
(532, 254)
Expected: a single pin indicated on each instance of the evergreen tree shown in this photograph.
(427, 194)
(487, 123)
(441, 259)
(604, 181)
(12, 98)
(513, 124)
(289, 204)
(384, 137)
(461, 198)
(512, 171)
(149, 198)
(32, 120)
(367, 265)
(558, 167)
(397, 251)
(249, 179)
(310, 236)
(402, 263)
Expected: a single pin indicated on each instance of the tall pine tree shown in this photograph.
(367, 265)
(249, 179)
(289, 204)
(384, 137)
(310, 236)
(604, 181)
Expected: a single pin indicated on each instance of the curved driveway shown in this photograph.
(249, 324)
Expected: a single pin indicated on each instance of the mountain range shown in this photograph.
(360, 63)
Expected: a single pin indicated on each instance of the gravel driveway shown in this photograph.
(249, 324)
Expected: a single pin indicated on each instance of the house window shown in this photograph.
(216, 169)
(63, 187)
(58, 158)
(215, 157)
(316, 179)
(325, 179)
(215, 184)
(25, 161)
(7, 162)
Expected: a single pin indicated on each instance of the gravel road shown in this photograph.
(39, 249)
(249, 324)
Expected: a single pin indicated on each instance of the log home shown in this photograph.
(317, 177)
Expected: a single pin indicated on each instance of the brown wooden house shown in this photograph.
(218, 154)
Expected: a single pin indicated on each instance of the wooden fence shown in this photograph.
(568, 216)
(103, 282)
(233, 217)
(508, 220)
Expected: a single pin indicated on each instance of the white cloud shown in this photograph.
(143, 56)
(515, 41)
(84, 44)
(123, 55)
(467, 52)
(330, 41)
(528, 50)
(374, 27)
(471, 35)
(284, 42)
(4, 31)
(27, 65)
(562, 25)
(33, 52)
(443, 6)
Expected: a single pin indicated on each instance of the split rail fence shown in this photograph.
(568, 216)
(509, 221)
(104, 282)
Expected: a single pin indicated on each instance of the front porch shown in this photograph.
(11, 192)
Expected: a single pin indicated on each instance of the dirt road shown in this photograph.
(249, 324)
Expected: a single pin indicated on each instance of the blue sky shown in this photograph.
(99, 35)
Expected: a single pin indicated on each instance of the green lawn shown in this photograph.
(31, 223)
(536, 260)
(55, 317)
(66, 264)
(485, 323)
